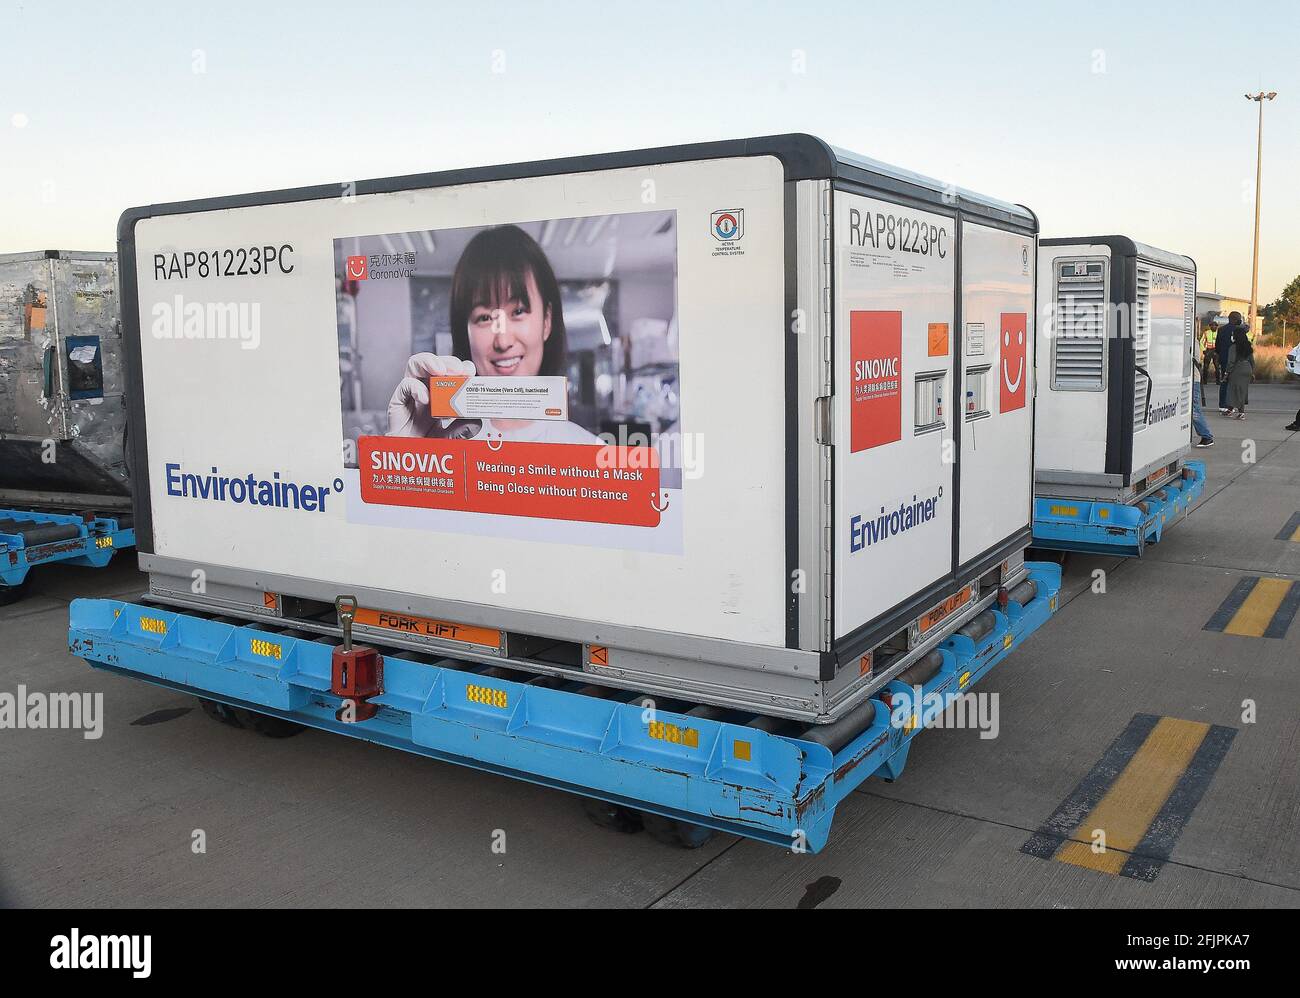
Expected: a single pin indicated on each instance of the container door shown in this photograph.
(997, 399)
(894, 405)
(1072, 360)
(1164, 317)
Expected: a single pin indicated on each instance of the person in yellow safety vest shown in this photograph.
(1209, 356)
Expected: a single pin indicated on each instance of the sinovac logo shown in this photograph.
(873, 371)
(866, 531)
(411, 462)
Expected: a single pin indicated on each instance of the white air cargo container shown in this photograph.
(746, 423)
(1116, 335)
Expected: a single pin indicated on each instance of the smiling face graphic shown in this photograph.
(1013, 362)
(357, 269)
(1013, 384)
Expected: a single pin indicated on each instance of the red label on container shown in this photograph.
(588, 482)
(1014, 364)
(876, 359)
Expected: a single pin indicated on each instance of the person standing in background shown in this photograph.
(1209, 357)
(1202, 428)
(1222, 345)
(1241, 369)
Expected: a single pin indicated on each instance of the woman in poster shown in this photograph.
(506, 321)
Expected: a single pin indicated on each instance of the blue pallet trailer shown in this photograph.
(1099, 527)
(29, 538)
(724, 774)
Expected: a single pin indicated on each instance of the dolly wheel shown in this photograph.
(272, 727)
(220, 712)
(612, 816)
(672, 832)
(236, 717)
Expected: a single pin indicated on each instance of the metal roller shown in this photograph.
(839, 733)
(922, 671)
(709, 712)
(40, 533)
(980, 626)
(1024, 593)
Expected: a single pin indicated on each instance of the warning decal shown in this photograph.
(937, 339)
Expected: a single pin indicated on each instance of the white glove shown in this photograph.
(408, 409)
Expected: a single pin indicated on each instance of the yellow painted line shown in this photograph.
(1257, 612)
(1136, 796)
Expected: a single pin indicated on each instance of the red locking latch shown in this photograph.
(356, 674)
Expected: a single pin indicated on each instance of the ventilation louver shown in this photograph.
(1141, 347)
(1079, 343)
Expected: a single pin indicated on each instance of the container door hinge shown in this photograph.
(822, 419)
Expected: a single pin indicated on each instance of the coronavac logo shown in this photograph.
(358, 269)
(728, 225)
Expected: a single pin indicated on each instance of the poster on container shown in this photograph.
(517, 379)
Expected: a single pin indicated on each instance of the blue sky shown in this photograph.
(1103, 117)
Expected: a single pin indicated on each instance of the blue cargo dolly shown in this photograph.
(30, 538)
(726, 776)
(1099, 527)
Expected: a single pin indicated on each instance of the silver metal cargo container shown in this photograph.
(62, 408)
(746, 423)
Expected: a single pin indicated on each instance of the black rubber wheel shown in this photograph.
(672, 832)
(220, 712)
(12, 594)
(272, 727)
(237, 717)
(611, 816)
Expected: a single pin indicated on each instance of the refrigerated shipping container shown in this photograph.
(744, 429)
(1114, 412)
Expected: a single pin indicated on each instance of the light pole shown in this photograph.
(1259, 99)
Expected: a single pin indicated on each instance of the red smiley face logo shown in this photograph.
(1014, 364)
(357, 270)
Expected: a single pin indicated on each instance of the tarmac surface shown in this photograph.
(1124, 711)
